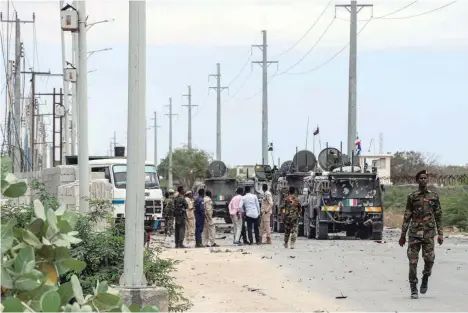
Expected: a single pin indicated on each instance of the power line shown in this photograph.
(421, 14)
(242, 69)
(332, 58)
(310, 50)
(308, 31)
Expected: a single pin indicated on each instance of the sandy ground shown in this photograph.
(334, 275)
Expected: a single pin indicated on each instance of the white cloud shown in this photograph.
(227, 22)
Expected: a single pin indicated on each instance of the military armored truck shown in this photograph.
(343, 198)
(291, 174)
(222, 189)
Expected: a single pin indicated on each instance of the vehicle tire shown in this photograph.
(275, 226)
(351, 231)
(281, 228)
(321, 229)
(228, 220)
(300, 230)
(376, 235)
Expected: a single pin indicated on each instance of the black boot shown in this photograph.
(198, 244)
(414, 291)
(423, 288)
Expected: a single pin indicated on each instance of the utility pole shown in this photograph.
(66, 87)
(74, 123)
(33, 112)
(264, 63)
(82, 86)
(133, 276)
(381, 150)
(16, 138)
(170, 143)
(190, 106)
(155, 126)
(218, 108)
(354, 9)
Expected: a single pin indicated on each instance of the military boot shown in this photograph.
(198, 244)
(423, 288)
(414, 291)
(292, 244)
(268, 241)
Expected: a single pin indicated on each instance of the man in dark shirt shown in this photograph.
(180, 215)
(199, 217)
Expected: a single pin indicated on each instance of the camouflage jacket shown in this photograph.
(292, 206)
(283, 195)
(180, 207)
(423, 215)
(168, 205)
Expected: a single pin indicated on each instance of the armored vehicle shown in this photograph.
(343, 198)
(292, 173)
(222, 189)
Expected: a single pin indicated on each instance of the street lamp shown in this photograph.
(99, 22)
(90, 53)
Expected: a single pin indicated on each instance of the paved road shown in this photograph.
(373, 276)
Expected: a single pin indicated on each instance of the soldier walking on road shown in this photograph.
(267, 204)
(168, 214)
(210, 228)
(423, 215)
(190, 225)
(180, 215)
(292, 209)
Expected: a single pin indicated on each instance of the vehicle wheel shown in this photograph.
(228, 220)
(376, 235)
(275, 226)
(300, 230)
(351, 231)
(281, 228)
(321, 230)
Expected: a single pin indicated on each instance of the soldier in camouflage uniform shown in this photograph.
(168, 216)
(292, 209)
(180, 216)
(423, 215)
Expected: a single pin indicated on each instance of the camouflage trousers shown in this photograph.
(427, 247)
(290, 229)
(169, 229)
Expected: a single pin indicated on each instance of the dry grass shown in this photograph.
(393, 220)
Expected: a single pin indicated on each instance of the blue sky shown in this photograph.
(411, 75)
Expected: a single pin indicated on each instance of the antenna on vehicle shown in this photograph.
(341, 156)
(352, 161)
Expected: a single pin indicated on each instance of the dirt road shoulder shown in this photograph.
(239, 279)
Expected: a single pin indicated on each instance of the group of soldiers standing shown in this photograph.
(189, 219)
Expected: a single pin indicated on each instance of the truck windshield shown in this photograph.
(220, 187)
(120, 176)
(350, 188)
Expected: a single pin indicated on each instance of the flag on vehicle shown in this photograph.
(351, 202)
(358, 146)
(220, 198)
(316, 131)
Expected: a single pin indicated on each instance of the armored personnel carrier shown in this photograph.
(292, 173)
(342, 197)
(222, 189)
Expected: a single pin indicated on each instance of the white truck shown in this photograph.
(115, 170)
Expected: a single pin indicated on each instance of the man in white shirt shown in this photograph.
(251, 207)
(267, 204)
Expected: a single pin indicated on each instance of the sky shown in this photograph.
(412, 73)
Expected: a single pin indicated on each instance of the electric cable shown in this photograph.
(310, 50)
(421, 14)
(308, 31)
(332, 58)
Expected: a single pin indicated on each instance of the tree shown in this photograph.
(188, 165)
(408, 163)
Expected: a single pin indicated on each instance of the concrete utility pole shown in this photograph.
(190, 106)
(82, 86)
(66, 86)
(155, 126)
(75, 101)
(133, 275)
(170, 142)
(218, 109)
(16, 133)
(264, 63)
(381, 150)
(354, 9)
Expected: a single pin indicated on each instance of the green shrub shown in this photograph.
(452, 199)
(34, 257)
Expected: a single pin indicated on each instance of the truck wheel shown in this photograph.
(300, 230)
(228, 220)
(376, 235)
(321, 229)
